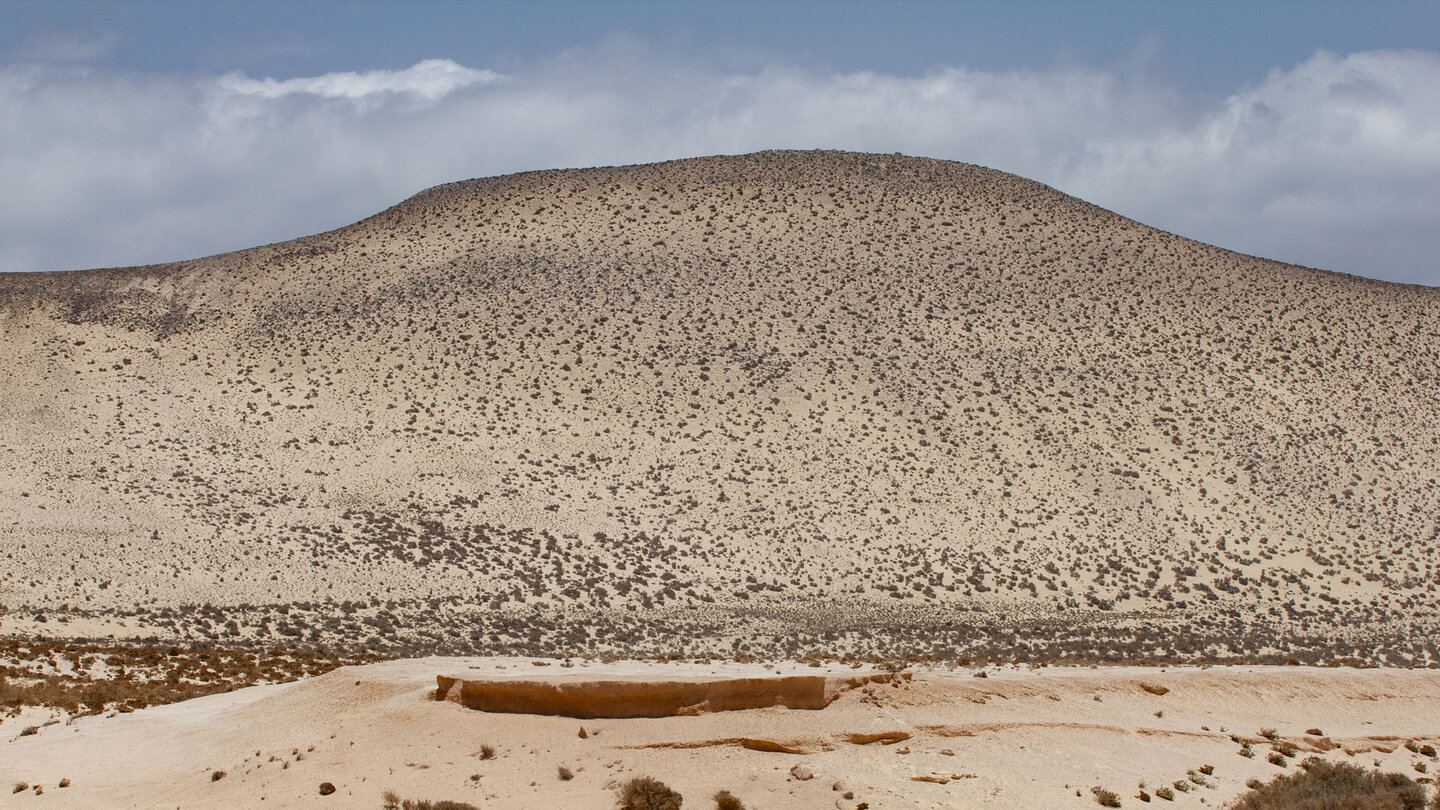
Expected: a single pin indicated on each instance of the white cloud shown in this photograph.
(431, 79)
(1334, 162)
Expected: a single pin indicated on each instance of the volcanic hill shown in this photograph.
(788, 403)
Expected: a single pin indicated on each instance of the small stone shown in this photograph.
(326, 788)
(802, 773)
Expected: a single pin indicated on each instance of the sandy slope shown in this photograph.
(786, 402)
(1020, 738)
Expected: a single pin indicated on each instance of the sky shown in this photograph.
(139, 132)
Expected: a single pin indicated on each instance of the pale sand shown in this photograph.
(1021, 738)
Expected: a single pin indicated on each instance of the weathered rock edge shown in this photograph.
(634, 698)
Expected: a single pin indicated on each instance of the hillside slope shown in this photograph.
(783, 402)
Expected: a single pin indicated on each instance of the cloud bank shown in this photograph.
(1333, 162)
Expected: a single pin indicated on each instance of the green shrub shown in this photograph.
(1320, 784)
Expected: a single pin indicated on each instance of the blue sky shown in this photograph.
(149, 131)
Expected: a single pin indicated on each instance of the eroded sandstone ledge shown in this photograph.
(616, 698)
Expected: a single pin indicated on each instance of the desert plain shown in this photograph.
(1020, 737)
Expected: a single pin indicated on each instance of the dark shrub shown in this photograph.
(1321, 785)
(725, 800)
(644, 793)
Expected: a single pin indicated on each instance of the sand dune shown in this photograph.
(787, 403)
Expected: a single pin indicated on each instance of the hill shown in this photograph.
(784, 403)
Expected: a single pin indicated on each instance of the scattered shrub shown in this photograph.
(725, 800)
(216, 776)
(565, 773)
(644, 793)
(1165, 793)
(1322, 784)
(487, 751)
(1105, 798)
(393, 802)
(1268, 733)
(20, 787)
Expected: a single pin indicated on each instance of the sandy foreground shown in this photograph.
(1017, 738)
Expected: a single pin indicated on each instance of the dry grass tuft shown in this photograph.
(1105, 798)
(394, 802)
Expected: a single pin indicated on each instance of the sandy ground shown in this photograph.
(1017, 738)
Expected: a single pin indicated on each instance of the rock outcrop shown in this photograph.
(648, 698)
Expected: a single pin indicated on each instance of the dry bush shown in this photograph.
(1105, 798)
(644, 793)
(390, 801)
(1320, 785)
(725, 800)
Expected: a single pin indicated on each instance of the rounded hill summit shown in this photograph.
(788, 402)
